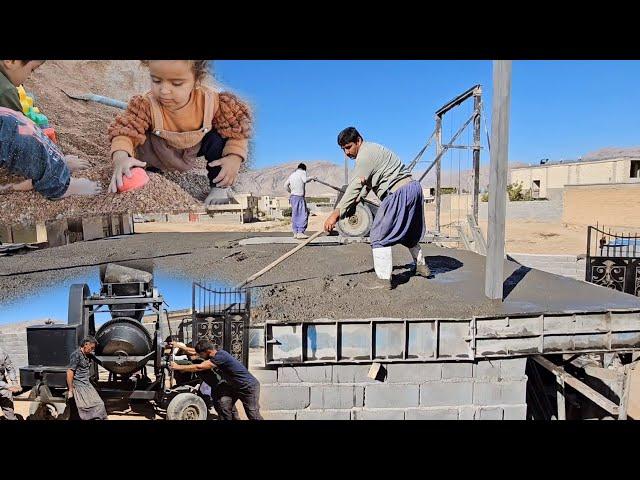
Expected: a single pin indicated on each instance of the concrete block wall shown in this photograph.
(215, 218)
(223, 218)
(178, 217)
(494, 390)
(616, 204)
(549, 210)
(566, 265)
(13, 340)
(154, 217)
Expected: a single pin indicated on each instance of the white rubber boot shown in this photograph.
(419, 264)
(383, 265)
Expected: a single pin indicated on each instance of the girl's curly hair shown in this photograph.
(200, 68)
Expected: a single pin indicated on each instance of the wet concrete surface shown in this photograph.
(323, 281)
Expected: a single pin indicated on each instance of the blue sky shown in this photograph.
(560, 109)
(53, 302)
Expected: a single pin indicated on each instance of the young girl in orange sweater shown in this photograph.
(178, 120)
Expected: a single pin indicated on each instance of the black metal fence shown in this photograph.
(222, 316)
(613, 259)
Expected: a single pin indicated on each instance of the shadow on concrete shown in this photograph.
(438, 264)
(514, 279)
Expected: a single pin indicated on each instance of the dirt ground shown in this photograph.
(521, 236)
(543, 238)
(135, 412)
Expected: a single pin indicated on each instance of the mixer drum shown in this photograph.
(122, 338)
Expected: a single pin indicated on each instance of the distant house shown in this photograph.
(244, 210)
(248, 202)
(552, 176)
(273, 206)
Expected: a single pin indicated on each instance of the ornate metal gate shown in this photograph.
(222, 316)
(613, 260)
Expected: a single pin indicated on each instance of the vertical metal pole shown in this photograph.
(438, 169)
(477, 100)
(494, 269)
(346, 170)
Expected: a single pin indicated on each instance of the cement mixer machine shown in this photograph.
(136, 360)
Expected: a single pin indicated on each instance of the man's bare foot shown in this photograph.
(82, 186)
(218, 196)
(76, 163)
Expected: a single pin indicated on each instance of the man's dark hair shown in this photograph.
(348, 135)
(204, 345)
(88, 339)
(302, 166)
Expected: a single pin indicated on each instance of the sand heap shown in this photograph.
(82, 130)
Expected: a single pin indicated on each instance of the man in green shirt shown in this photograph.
(400, 218)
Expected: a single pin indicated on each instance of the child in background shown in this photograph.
(26, 150)
(178, 120)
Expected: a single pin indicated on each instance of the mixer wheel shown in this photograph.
(187, 406)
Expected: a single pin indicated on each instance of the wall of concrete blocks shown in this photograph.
(13, 340)
(566, 265)
(178, 217)
(151, 217)
(223, 218)
(549, 210)
(482, 390)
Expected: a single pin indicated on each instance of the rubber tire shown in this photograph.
(365, 222)
(187, 406)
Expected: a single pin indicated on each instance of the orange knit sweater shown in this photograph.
(232, 120)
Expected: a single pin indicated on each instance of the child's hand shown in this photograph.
(229, 167)
(122, 164)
